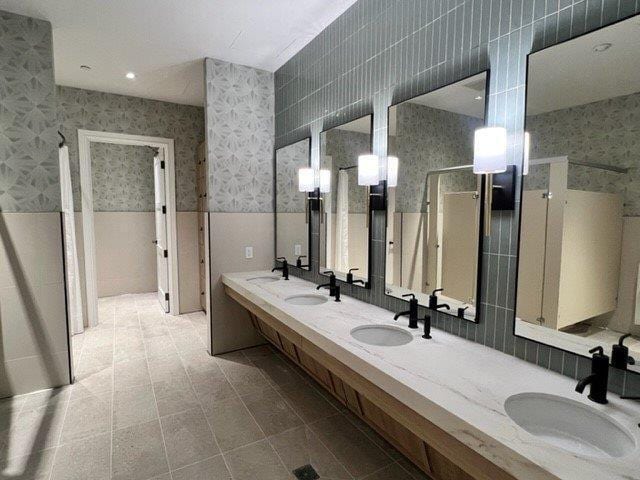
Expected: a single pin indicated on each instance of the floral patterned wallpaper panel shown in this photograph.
(240, 137)
(289, 160)
(29, 172)
(605, 132)
(106, 112)
(123, 178)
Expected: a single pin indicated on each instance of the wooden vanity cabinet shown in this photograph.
(432, 450)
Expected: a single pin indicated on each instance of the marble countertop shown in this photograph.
(459, 385)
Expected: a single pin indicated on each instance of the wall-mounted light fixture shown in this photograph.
(489, 158)
(306, 180)
(368, 170)
(392, 172)
(325, 181)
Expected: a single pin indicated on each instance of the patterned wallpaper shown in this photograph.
(90, 110)
(344, 147)
(428, 139)
(240, 137)
(29, 173)
(379, 53)
(289, 160)
(122, 178)
(603, 132)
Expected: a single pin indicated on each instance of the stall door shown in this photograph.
(162, 253)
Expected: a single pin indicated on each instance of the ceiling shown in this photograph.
(572, 73)
(164, 42)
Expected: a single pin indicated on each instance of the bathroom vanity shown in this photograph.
(450, 405)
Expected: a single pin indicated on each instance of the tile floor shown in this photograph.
(150, 403)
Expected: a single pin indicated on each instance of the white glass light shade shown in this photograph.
(527, 153)
(392, 171)
(490, 150)
(306, 180)
(325, 181)
(368, 170)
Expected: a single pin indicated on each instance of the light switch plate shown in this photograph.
(248, 252)
(297, 250)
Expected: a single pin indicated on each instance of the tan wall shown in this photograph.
(33, 322)
(125, 253)
(188, 263)
(229, 235)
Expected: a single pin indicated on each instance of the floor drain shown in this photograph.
(306, 473)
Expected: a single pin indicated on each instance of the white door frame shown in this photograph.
(85, 137)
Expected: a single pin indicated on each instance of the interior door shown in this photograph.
(162, 259)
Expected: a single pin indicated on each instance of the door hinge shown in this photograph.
(164, 209)
(162, 164)
(166, 296)
(166, 253)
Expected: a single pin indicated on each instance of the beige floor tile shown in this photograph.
(212, 386)
(133, 406)
(175, 395)
(307, 402)
(188, 438)
(254, 461)
(414, 472)
(232, 424)
(210, 469)
(33, 430)
(245, 377)
(160, 346)
(85, 459)
(356, 452)
(131, 373)
(300, 446)
(87, 417)
(199, 362)
(165, 368)
(93, 382)
(277, 371)
(36, 466)
(392, 472)
(48, 397)
(271, 412)
(138, 452)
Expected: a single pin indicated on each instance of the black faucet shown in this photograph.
(299, 261)
(412, 312)
(620, 354)
(337, 293)
(331, 284)
(599, 377)
(433, 300)
(427, 327)
(350, 279)
(461, 311)
(284, 267)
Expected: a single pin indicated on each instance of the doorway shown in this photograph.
(164, 212)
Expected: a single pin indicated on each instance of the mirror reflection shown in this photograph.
(580, 224)
(433, 213)
(292, 220)
(344, 231)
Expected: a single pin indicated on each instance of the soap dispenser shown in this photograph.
(620, 354)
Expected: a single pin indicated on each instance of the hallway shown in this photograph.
(150, 403)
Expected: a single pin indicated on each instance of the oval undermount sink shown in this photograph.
(263, 279)
(308, 299)
(570, 425)
(381, 335)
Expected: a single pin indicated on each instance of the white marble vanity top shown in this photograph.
(459, 385)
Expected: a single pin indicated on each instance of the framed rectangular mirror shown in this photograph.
(434, 238)
(345, 216)
(292, 216)
(579, 256)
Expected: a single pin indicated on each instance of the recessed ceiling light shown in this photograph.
(86, 68)
(602, 47)
(130, 75)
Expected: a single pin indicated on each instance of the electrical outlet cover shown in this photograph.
(297, 250)
(248, 252)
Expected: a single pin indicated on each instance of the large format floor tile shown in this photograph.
(150, 403)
